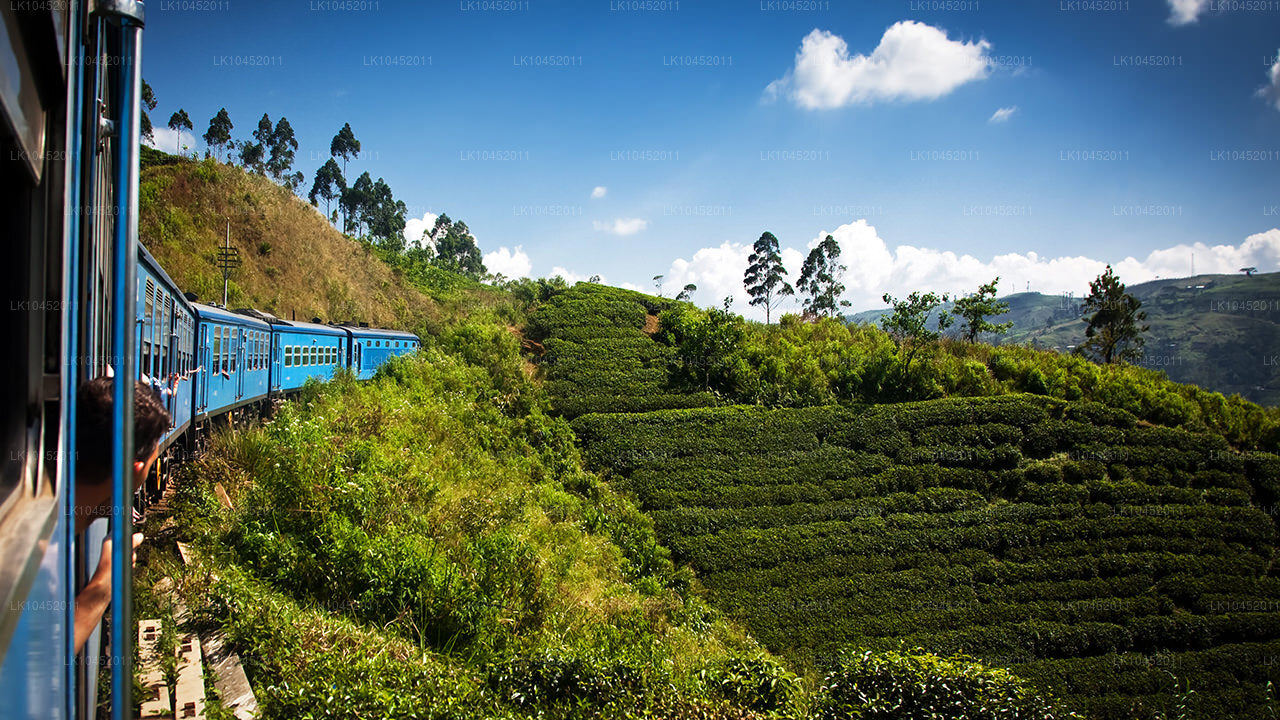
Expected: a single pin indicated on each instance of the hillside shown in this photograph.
(591, 502)
(1220, 332)
(1085, 551)
(295, 265)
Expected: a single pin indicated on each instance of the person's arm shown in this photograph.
(93, 600)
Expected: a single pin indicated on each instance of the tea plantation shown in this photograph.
(1126, 567)
(598, 357)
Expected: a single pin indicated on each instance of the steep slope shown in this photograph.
(294, 264)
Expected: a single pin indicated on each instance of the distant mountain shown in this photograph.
(1221, 332)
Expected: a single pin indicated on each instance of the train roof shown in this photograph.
(154, 266)
(380, 332)
(310, 328)
(207, 312)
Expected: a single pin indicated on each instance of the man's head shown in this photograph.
(93, 442)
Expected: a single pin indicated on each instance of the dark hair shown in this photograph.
(93, 424)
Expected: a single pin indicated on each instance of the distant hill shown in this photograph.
(1221, 332)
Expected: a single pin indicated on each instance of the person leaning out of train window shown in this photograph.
(93, 479)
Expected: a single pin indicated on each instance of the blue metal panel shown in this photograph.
(33, 677)
(222, 387)
(308, 351)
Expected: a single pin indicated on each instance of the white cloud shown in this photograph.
(167, 140)
(621, 226)
(1003, 114)
(598, 192)
(1186, 11)
(511, 263)
(913, 61)
(875, 269)
(414, 227)
(1271, 91)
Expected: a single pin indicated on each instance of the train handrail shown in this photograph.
(130, 16)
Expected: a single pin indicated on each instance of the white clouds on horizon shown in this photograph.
(717, 271)
(621, 226)
(512, 263)
(1003, 114)
(598, 192)
(914, 61)
(1185, 12)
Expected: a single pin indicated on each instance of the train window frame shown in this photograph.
(217, 349)
(147, 304)
(235, 348)
(288, 356)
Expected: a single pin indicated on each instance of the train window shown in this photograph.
(288, 356)
(217, 349)
(148, 305)
(234, 349)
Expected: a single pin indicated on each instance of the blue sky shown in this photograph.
(942, 143)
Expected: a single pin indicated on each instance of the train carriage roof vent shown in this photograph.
(364, 324)
(191, 297)
(317, 321)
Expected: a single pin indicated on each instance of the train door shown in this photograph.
(273, 381)
(207, 371)
(239, 339)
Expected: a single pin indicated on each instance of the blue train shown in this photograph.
(85, 299)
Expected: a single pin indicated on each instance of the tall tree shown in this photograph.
(354, 200)
(1115, 326)
(385, 217)
(976, 308)
(219, 133)
(456, 248)
(820, 279)
(765, 278)
(687, 293)
(908, 324)
(283, 146)
(254, 154)
(328, 186)
(179, 122)
(148, 104)
(344, 145)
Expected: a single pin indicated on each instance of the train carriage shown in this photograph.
(304, 350)
(371, 347)
(233, 353)
(166, 323)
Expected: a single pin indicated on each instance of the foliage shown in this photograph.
(178, 122)
(329, 185)
(926, 687)
(705, 342)
(282, 146)
(455, 247)
(976, 308)
(819, 279)
(219, 133)
(148, 105)
(908, 324)
(765, 277)
(1114, 332)
(428, 545)
(1065, 540)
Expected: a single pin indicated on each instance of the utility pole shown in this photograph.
(228, 258)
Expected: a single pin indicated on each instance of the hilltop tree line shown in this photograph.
(365, 208)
